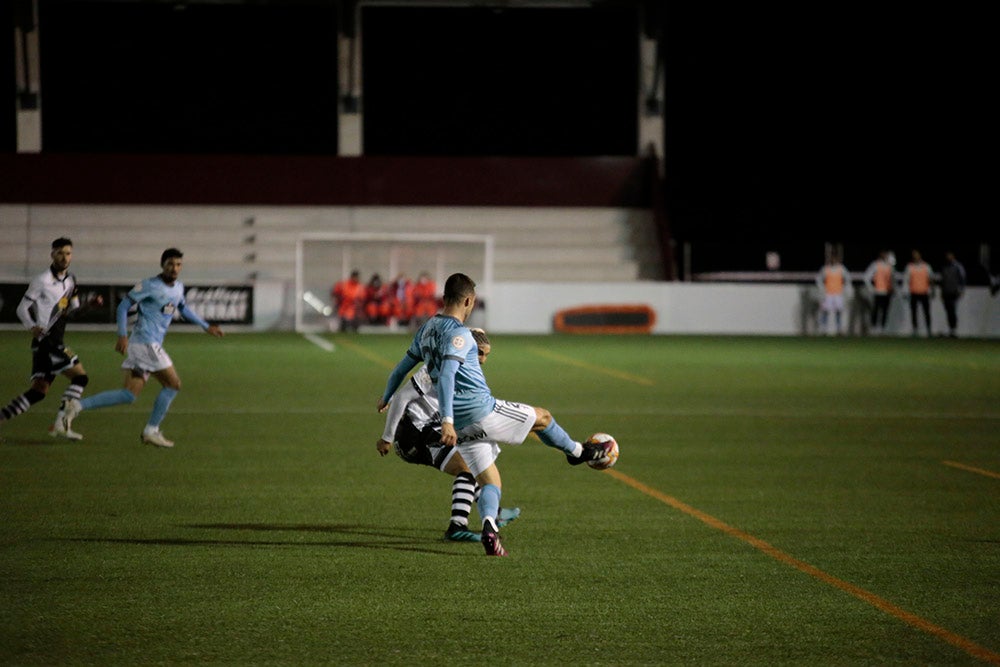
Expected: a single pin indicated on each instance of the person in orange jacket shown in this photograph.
(400, 300)
(348, 295)
(376, 299)
(426, 301)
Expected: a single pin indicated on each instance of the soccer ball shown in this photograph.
(610, 448)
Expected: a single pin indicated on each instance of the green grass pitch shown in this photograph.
(274, 534)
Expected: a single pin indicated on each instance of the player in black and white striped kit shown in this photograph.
(50, 297)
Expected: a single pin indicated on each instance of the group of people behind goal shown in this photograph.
(401, 302)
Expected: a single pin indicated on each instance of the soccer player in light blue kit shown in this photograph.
(471, 417)
(157, 299)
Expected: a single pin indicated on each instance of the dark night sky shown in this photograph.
(812, 120)
(864, 120)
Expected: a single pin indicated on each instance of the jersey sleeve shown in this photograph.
(404, 366)
(30, 298)
(397, 408)
(192, 316)
(446, 388)
(121, 313)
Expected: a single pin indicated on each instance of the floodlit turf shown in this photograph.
(777, 501)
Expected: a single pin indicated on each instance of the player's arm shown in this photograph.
(396, 410)
(195, 318)
(405, 365)
(446, 396)
(121, 320)
(77, 306)
(26, 309)
(869, 276)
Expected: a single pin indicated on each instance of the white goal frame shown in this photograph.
(396, 242)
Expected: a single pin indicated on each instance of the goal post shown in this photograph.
(322, 259)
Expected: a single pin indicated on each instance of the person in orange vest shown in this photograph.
(376, 304)
(834, 282)
(400, 300)
(349, 294)
(880, 278)
(917, 280)
(426, 301)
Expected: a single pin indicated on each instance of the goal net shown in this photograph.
(321, 260)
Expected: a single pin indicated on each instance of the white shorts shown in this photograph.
(833, 302)
(478, 455)
(509, 423)
(146, 358)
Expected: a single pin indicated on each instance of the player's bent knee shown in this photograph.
(542, 419)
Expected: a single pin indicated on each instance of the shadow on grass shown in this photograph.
(395, 541)
(37, 442)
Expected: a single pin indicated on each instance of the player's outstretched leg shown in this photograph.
(591, 452)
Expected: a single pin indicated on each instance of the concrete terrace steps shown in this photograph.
(238, 243)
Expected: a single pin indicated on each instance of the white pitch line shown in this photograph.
(320, 342)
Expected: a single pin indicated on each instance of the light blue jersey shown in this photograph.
(450, 353)
(157, 304)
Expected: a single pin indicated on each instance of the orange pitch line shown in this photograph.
(967, 645)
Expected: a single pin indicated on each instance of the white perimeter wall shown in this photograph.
(696, 308)
(122, 243)
(683, 308)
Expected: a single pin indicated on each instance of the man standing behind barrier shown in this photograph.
(879, 277)
(917, 286)
(952, 287)
(835, 283)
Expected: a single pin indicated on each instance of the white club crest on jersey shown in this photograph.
(458, 342)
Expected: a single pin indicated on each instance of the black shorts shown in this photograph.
(422, 447)
(48, 361)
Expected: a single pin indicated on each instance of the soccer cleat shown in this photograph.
(591, 452)
(506, 515)
(156, 438)
(57, 430)
(61, 426)
(68, 411)
(491, 541)
(459, 533)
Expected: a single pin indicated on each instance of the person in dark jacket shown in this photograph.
(952, 281)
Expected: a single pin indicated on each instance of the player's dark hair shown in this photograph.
(480, 337)
(170, 253)
(60, 242)
(458, 287)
